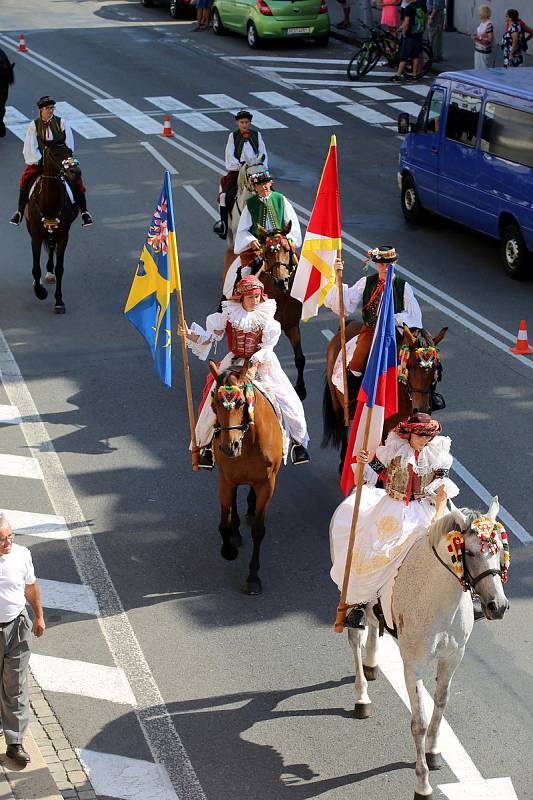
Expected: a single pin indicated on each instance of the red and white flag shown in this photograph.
(315, 274)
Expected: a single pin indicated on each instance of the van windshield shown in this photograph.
(508, 133)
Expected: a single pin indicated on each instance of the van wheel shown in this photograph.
(515, 255)
(412, 208)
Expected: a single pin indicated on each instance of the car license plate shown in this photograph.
(296, 31)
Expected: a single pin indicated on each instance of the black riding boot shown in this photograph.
(18, 216)
(221, 226)
(206, 460)
(356, 618)
(81, 202)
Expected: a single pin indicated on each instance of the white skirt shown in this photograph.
(386, 530)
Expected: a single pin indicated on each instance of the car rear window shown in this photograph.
(508, 133)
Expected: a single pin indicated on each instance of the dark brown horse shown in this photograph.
(421, 368)
(49, 215)
(248, 450)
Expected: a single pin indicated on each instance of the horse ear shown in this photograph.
(440, 335)
(287, 228)
(408, 336)
(458, 515)
(262, 231)
(213, 369)
(244, 369)
(494, 507)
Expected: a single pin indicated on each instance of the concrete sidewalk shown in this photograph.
(34, 782)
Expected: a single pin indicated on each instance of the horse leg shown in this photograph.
(293, 335)
(263, 495)
(251, 500)
(370, 660)
(227, 493)
(61, 246)
(445, 671)
(236, 538)
(363, 705)
(419, 725)
(40, 291)
(49, 276)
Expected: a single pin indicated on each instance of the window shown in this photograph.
(508, 133)
(463, 118)
(436, 102)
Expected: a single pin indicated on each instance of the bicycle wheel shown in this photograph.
(367, 60)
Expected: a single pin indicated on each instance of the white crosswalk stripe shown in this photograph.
(374, 93)
(231, 104)
(20, 467)
(16, 122)
(292, 107)
(43, 526)
(126, 778)
(410, 108)
(195, 119)
(131, 115)
(326, 95)
(9, 415)
(81, 123)
(275, 99)
(68, 597)
(83, 678)
(367, 114)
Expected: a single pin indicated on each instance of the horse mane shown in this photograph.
(448, 523)
(423, 337)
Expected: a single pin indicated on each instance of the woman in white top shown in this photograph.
(483, 38)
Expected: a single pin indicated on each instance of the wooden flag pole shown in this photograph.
(195, 450)
(342, 608)
(345, 399)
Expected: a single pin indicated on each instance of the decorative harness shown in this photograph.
(49, 223)
(493, 538)
(232, 397)
(426, 357)
(275, 242)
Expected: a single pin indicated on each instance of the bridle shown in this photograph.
(469, 583)
(234, 396)
(493, 536)
(428, 358)
(276, 242)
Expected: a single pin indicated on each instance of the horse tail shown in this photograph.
(333, 427)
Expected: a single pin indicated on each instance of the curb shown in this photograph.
(34, 782)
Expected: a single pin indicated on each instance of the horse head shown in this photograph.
(247, 169)
(233, 404)
(420, 366)
(279, 255)
(476, 548)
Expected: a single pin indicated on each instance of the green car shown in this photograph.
(273, 19)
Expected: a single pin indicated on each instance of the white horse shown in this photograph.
(433, 615)
(244, 191)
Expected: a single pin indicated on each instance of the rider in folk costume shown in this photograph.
(244, 144)
(414, 464)
(248, 321)
(47, 128)
(367, 292)
(268, 209)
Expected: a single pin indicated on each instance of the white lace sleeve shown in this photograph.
(271, 334)
(215, 324)
(352, 296)
(412, 314)
(451, 488)
(386, 452)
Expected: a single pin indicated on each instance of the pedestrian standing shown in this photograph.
(17, 585)
(202, 16)
(390, 15)
(512, 40)
(483, 38)
(436, 10)
(413, 24)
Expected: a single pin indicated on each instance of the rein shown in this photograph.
(487, 531)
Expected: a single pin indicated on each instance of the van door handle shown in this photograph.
(434, 151)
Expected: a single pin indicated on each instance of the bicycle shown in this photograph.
(382, 45)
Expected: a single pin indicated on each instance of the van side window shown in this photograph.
(463, 118)
(508, 133)
(434, 110)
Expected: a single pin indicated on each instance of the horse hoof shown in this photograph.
(362, 710)
(253, 588)
(49, 277)
(371, 673)
(59, 309)
(229, 552)
(40, 292)
(434, 761)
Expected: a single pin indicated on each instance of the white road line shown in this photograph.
(320, 82)
(68, 597)
(275, 99)
(19, 467)
(54, 69)
(511, 523)
(198, 121)
(191, 153)
(224, 101)
(80, 122)
(312, 117)
(303, 70)
(409, 108)
(83, 678)
(366, 114)
(292, 60)
(154, 719)
(131, 115)
(326, 95)
(375, 94)
(158, 157)
(201, 201)
(16, 122)
(126, 778)
(421, 90)
(42, 526)
(327, 334)
(9, 415)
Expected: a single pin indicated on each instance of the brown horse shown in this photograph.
(248, 450)
(49, 215)
(421, 369)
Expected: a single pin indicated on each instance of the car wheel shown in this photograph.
(147, 3)
(515, 255)
(175, 9)
(322, 41)
(218, 28)
(412, 208)
(252, 35)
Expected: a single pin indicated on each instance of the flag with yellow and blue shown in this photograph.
(156, 277)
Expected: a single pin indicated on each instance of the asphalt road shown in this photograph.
(258, 689)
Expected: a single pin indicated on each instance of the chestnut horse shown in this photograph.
(248, 450)
(415, 392)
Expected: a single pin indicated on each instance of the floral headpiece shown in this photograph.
(426, 358)
(492, 536)
(385, 254)
(235, 396)
(69, 163)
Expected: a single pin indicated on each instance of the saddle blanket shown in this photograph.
(337, 378)
(65, 184)
(269, 393)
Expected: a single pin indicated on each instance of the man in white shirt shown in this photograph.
(17, 586)
(244, 144)
(269, 209)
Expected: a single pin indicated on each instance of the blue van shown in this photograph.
(469, 157)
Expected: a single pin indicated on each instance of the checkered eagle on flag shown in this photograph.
(315, 274)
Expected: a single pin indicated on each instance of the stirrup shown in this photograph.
(356, 618)
(17, 218)
(220, 228)
(206, 460)
(299, 454)
(86, 219)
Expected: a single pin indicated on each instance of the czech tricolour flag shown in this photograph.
(379, 387)
(315, 274)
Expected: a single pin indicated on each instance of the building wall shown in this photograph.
(466, 17)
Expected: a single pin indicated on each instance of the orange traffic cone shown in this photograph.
(167, 130)
(22, 44)
(522, 344)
